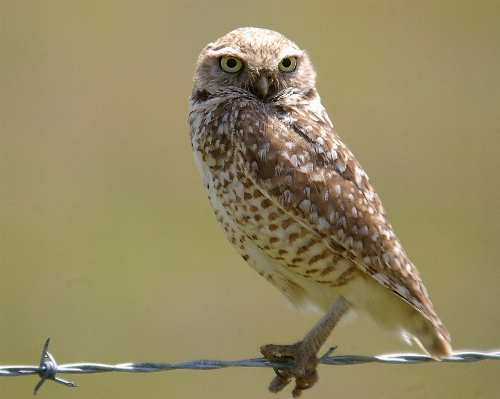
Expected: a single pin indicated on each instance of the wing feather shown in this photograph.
(296, 157)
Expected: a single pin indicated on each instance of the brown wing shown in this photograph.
(297, 157)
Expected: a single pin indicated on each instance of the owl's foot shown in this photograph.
(304, 352)
(303, 369)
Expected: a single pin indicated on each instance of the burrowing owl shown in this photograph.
(295, 202)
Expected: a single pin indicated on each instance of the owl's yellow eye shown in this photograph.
(230, 64)
(288, 64)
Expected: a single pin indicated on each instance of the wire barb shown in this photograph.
(48, 368)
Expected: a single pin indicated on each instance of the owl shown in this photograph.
(295, 202)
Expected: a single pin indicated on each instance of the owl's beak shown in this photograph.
(262, 87)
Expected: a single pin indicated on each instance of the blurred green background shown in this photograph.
(108, 243)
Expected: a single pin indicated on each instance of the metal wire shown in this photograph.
(48, 368)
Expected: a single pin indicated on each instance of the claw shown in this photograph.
(279, 382)
(304, 352)
(303, 369)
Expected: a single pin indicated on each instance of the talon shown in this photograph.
(303, 369)
(278, 383)
(301, 384)
(280, 373)
(296, 392)
(307, 382)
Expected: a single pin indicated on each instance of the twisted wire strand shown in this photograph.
(48, 368)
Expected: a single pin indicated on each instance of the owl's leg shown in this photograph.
(304, 352)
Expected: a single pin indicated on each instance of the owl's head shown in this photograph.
(260, 61)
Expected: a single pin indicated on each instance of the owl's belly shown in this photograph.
(275, 243)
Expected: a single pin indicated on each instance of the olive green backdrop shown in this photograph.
(108, 243)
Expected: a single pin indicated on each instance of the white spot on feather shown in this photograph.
(323, 224)
(386, 258)
(305, 205)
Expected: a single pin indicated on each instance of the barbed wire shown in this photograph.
(48, 368)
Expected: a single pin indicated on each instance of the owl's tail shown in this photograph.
(432, 337)
(398, 317)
